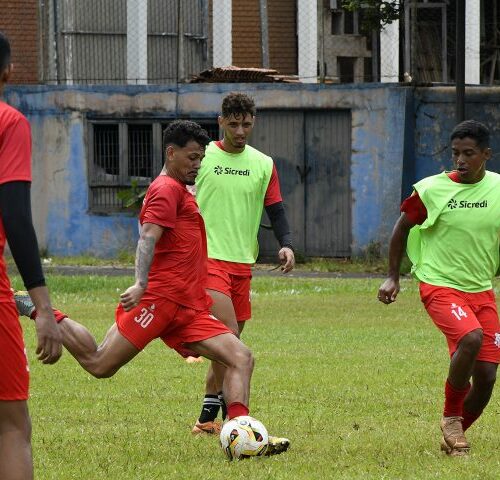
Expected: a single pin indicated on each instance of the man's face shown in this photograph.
(237, 129)
(469, 159)
(183, 163)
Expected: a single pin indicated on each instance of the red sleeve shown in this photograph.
(415, 209)
(161, 206)
(15, 152)
(273, 192)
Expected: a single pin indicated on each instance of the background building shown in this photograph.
(348, 138)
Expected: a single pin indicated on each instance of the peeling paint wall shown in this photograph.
(435, 119)
(60, 189)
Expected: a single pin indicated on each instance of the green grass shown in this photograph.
(356, 385)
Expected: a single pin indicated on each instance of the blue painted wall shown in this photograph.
(399, 135)
(435, 119)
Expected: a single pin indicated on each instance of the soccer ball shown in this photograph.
(243, 437)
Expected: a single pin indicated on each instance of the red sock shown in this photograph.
(60, 316)
(236, 409)
(454, 400)
(469, 419)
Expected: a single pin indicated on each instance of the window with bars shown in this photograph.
(122, 153)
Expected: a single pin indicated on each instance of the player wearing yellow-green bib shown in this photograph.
(451, 225)
(234, 184)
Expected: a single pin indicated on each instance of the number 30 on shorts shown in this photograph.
(145, 318)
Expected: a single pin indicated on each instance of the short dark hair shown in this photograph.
(238, 104)
(180, 132)
(472, 129)
(4, 51)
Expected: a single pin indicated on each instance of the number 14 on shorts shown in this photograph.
(458, 312)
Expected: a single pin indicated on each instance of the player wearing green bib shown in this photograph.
(234, 183)
(451, 226)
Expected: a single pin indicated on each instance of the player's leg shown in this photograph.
(15, 441)
(450, 312)
(211, 338)
(478, 397)
(15, 425)
(101, 361)
(222, 308)
(229, 351)
(485, 369)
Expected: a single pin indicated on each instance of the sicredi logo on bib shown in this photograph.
(452, 204)
(218, 170)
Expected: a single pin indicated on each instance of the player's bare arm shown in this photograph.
(150, 234)
(389, 290)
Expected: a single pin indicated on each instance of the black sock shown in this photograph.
(209, 409)
(223, 405)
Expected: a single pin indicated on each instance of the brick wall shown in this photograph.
(19, 21)
(282, 31)
(246, 33)
(282, 18)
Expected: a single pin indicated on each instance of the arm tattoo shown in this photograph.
(143, 258)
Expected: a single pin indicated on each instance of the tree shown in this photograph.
(376, 13)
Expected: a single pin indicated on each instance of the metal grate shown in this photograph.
(140, 147)
(106, 153)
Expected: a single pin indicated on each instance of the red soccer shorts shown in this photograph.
(14, 371)
(457, 313)
(174, 324)
(236, 287)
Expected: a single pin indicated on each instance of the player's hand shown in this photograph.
(49, 347)
(131, 297)
(287, 259)
(388, 291)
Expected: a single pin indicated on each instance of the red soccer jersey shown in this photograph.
(414, 207)
(15, 165)
(179, 268)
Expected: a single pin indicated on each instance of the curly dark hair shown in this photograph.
(472, 129)
(4, 51)
(238, 104)
(180, 132)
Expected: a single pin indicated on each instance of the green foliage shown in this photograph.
(133, 196)
(376, 13)
(356, 385)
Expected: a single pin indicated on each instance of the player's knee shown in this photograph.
(243, 358)
(486, 379)
(472, 341)
(102, 371)
(248, 358)
(16, 421)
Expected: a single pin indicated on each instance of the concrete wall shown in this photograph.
(60, 187)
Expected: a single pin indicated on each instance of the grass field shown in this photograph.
(356, 385)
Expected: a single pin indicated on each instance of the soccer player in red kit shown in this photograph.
(451, 226)
(168, 299)
(236, 181)
(16, 226)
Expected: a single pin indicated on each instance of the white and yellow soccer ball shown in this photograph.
(243, 437)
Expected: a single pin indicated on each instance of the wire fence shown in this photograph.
(165, 41)
(124, 41)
